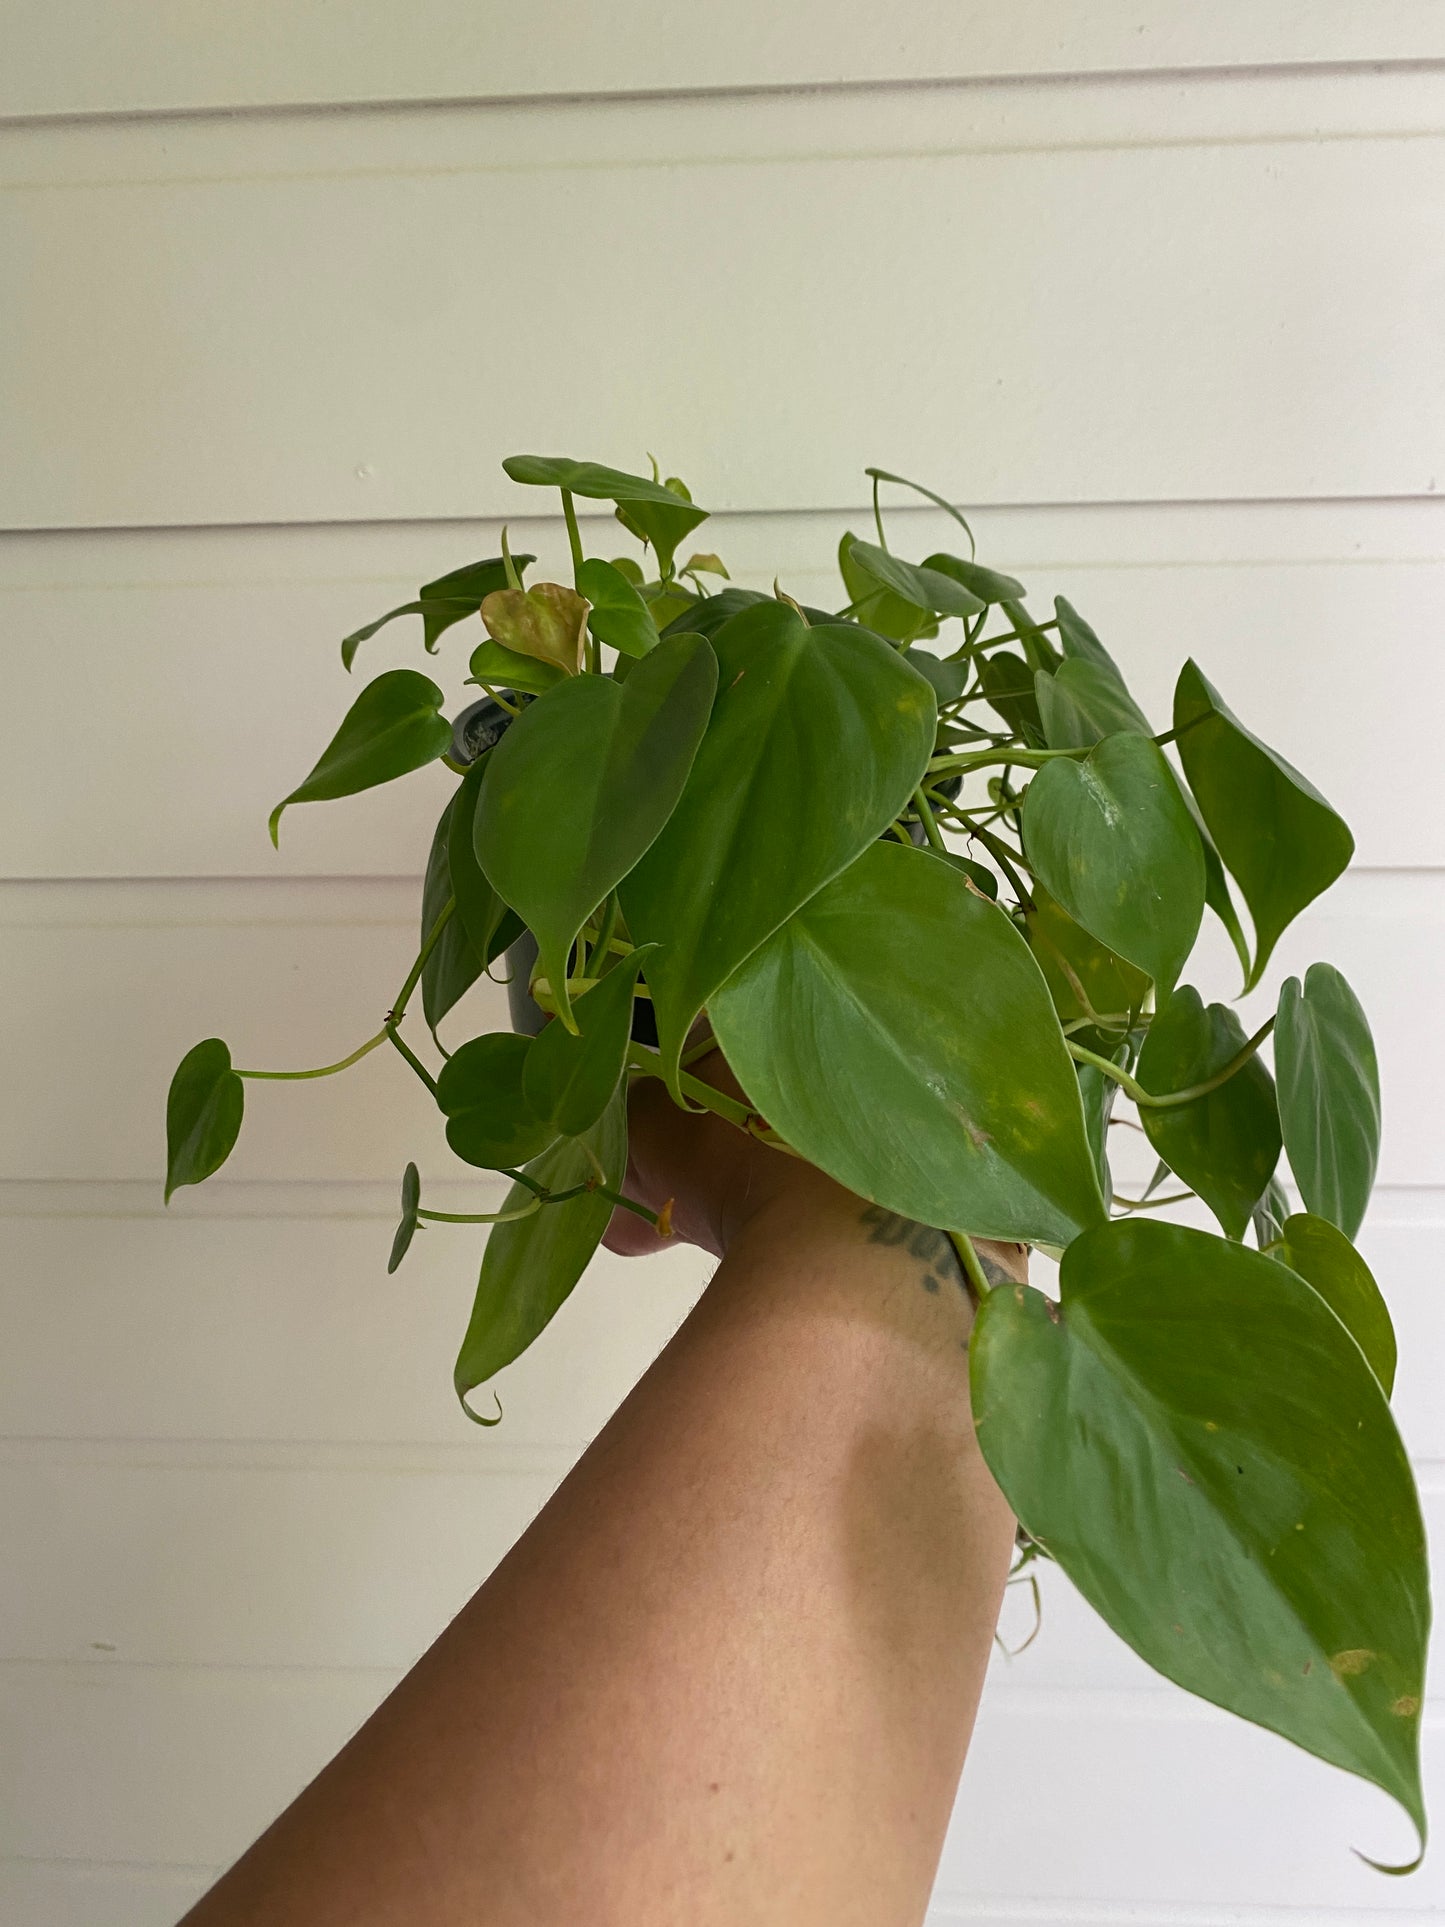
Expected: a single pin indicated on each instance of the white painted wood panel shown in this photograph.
(194, 677)
(290, 1330)
(78, 57)
(1140, 319)
(1068, 1798)
(121, 980)
(48, 1893)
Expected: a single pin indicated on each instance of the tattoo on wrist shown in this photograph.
(933, 1250)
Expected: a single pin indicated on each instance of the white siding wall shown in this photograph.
(1159, 288)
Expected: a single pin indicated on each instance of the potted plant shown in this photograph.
(931, 879)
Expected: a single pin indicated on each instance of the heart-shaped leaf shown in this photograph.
(1009, 683)
(1194, 1438)
(704, 562)
(898, 1033)
(1086, 979)
(407, 1229)
(494, 664)
(490, 1122)
(1329, 1094)
(443, 602)
(530, 1266)
(490, 926)
(1226, 1144)
(1280, 840)
(1081, 703)
(548, 623)
(1324, 1257)
(393, 727)
(203, 1114)
(818, 738)
(1111, 839)
(658, 513)
(949, 679)
(453, 965)
(619, 616)
(580, 786)
(987, 584)
(877, 608)
(1077, 639)
(925, 588)
(570, 1078)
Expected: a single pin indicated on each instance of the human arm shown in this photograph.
(729, 1674)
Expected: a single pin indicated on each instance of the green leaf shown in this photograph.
(899, 1035)
(949, 679)
(490, 926)
(393, 727)
(1279, 838)
(1324, 1257)
(1216, 889)
(1079, 642)
(548, 623)
(925, 588)
(1112, 840)
(570, 1078)
(619, 615)
(1009, 683)
(987, 584)
(453, 966)
(1039, 652)
(818, 738)
(1329, 1095)
(502, 668)
(490, 1121)
(658, 513)
(441, 603)
(580, 786)
(1268, 1215)
(704, 562)
(1081, 703)
(1099, 1093)
(530, 1267)
(203, 1115)
(706, 616)
(407, 1229)
(1199, 1445)
(1224, 1145)
(1072, 961)
(879, 609)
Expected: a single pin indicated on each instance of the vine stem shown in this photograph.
(1151, 1204)
(732, 1109)
(974, 1274)
(483, 1217)
(1147, 1100)
(574, 535)
(388, 1029)
(325, 1070)
(929, 821)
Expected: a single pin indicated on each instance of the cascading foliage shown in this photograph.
(931, 878)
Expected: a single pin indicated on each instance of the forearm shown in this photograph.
(729, 1673)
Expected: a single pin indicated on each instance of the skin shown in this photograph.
(729, 1674)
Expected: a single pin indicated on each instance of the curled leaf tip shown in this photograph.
(273, 824)
(476, 1417)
